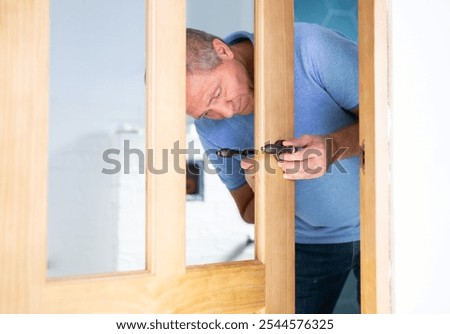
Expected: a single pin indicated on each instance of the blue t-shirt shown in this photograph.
(326, 91)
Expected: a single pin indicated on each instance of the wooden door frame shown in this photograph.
(166, 286)
(374, 140)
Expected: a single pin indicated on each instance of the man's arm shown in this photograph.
(244, 198)
(346, 140)
(303, 165)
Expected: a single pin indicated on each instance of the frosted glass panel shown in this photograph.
(96, 212)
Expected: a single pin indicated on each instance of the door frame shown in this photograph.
(373, 32)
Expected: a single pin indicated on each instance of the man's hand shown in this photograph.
(318, 152)
(309, 162)
(247, 165)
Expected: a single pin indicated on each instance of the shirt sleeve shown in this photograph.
(334, 63)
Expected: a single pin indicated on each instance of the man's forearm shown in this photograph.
(249, 214)
(244, 198)
(345, 143)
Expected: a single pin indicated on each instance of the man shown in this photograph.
(220, 98)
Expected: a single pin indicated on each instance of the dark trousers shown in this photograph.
(320, 274)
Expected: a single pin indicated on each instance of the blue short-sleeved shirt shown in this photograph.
(326, 91)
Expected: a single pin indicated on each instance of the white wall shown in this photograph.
(420, 91)
(220, 17)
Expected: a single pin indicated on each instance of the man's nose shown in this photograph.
(227, 109)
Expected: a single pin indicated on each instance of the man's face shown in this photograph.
(221, 93)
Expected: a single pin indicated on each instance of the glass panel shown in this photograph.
(215, 230)
(96, 213)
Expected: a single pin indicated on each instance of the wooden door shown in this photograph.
(265, 284)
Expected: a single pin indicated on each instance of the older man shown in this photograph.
(326, 169)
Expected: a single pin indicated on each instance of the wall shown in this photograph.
(341, 15)
(420, 194)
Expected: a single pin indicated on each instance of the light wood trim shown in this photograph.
(23, 147)
(274, 119)
(374, 179)
(230, 288)
(166, 91)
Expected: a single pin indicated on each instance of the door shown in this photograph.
(265, 284)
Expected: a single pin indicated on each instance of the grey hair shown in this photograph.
(200, 52)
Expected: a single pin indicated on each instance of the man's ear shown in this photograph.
(223, 50)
